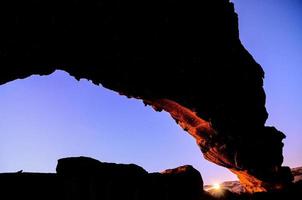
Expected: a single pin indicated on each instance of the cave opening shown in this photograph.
(47, 118)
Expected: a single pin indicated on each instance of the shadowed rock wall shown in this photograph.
(184, 57)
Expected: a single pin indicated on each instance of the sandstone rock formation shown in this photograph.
(236, 187)
(184, 57)
(297, 173)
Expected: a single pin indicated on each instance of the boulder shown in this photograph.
(85, 167)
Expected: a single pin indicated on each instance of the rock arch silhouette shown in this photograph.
(182, 57)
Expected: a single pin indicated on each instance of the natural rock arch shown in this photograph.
(184, 57)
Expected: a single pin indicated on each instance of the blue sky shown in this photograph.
(49, 117)
(59, 117)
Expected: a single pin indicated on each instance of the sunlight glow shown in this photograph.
(216, 186)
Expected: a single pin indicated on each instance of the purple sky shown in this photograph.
(46, 118)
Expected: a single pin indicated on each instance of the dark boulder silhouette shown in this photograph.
(184, 57)
(82, 178)
(84, 166)
(120, 181)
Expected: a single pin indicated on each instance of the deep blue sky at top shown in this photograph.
(46, 118)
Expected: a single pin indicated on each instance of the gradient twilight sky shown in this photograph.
(46, 118)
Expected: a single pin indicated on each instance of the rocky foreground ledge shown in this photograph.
(82, 178)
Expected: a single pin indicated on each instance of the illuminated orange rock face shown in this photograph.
(184, 57)
(218, 152)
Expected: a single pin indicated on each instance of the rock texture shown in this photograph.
(184, 57)
(236, 187)
(297, 173)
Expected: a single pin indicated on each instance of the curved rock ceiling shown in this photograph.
(184, 57)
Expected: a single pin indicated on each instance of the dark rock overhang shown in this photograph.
(184, 57)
